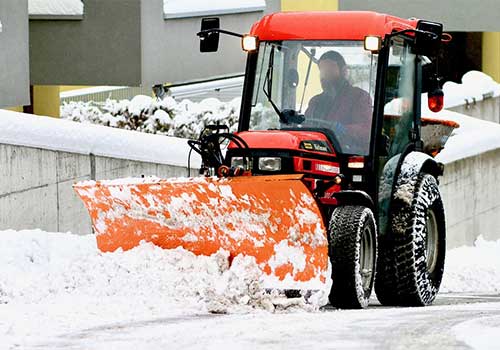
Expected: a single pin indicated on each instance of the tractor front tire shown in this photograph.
(412, 256)
(352, 236)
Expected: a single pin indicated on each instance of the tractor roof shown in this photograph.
(337, 25)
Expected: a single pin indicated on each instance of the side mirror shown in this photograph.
(209, 40)
(428, 38)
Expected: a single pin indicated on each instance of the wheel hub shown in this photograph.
(431, 250)
(366, 256)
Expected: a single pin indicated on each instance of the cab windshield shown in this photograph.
(316, 85)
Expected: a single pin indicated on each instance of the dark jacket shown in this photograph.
(351, 107)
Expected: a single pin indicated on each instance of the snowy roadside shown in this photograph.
(51, 283)
(473, 269)
(55, 283)
(39, 266)
(55, 265)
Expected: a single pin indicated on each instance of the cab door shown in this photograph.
(399, 119)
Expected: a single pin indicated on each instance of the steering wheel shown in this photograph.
(347, 142)
(315, 122)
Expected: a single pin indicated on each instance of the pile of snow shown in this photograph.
(55, 288)
(67, 136)
(476, 86)
(169, 117)
(39, 266)
(55, 7)
(473, 269)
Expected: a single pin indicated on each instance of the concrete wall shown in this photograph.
(102, 49)
(470, 189)
(36, 190)
(36, 187)
(488, 109)
(170, 48)
(456, 15)
(14, 54)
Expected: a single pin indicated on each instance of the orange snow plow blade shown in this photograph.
(272, 218)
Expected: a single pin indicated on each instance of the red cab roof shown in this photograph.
(335, 25)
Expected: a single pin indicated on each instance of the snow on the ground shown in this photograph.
(55, 7)
(479, 334)
(472, 269)
(67, 136)
(54, 265)
(52, 283)
(58, 283)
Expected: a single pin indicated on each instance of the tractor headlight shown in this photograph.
(249, 43)
(237, 162)
(270, 164)
(373, 43)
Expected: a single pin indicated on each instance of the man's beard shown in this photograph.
(330, 86)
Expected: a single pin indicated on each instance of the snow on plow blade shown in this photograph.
(273, 218)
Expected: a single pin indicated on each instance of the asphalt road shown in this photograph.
(455, 321)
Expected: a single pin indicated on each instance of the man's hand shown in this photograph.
(339, 129)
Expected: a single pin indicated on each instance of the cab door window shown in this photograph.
(399, 97)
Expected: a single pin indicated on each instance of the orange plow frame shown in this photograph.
(272, 218)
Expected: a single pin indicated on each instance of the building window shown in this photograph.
(196, 8)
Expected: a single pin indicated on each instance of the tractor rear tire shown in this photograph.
(352, 236)
(411, 263)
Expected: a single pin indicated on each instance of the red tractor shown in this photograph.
(331, 160)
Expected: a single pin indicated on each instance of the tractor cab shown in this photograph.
(333, 96)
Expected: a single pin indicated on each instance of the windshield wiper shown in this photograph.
(287, 116)
(311, 56)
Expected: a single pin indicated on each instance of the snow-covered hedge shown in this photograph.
(184, 119)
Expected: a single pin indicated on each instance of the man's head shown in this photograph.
(332, 69)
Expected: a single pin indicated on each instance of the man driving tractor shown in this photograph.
(348, 108)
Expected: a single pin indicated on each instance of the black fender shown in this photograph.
(413, 164)
(398, 181)
(349, 197)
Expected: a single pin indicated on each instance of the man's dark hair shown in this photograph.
(333, 56)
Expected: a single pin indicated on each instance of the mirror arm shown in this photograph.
(433, 36)
(205, 33)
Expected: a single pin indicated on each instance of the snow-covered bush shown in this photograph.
(167, 117)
